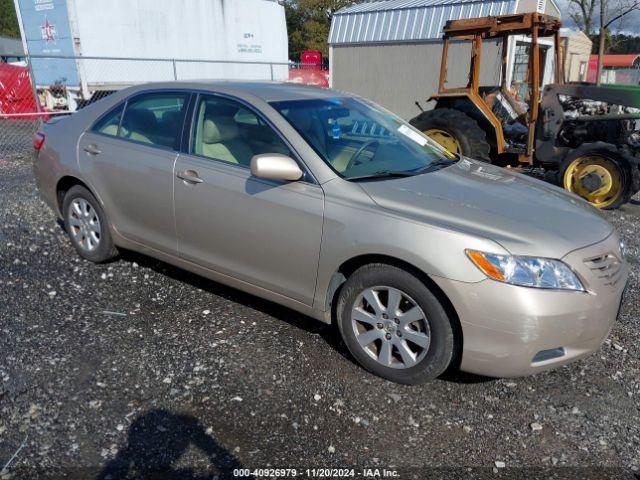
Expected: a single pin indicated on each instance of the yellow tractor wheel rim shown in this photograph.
(445, 139)
(595, 178)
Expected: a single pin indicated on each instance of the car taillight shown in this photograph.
(38, 140)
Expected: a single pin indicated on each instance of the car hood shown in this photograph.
(526, 216)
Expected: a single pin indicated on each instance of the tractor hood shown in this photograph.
(526, 216)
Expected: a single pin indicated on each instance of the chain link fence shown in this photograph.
(621, 75)
(66, 84)
(615, 75)
(18, 113)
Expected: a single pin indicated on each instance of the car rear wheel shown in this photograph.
(87, 227)
(393, 325)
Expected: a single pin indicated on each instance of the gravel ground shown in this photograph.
(135, 366)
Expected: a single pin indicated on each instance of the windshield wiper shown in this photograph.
(445, 161)
(437, 165)
(384, 174)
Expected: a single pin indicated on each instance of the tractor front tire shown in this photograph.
(454, 130)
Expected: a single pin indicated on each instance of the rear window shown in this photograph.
(109, 124)
(154, 119)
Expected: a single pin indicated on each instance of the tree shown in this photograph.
(581, 12)
(308, 22)
(295, 21)
(610, 12)
(8, 21)
(618, 43)
(327, 8)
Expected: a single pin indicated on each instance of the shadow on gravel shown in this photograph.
(456, 376)
(156, 442)
(298, 320)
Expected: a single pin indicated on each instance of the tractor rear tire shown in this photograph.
(615, 172)
(456, 127)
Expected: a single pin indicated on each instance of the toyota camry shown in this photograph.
(328, 204)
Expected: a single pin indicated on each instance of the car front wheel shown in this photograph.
(394, 326)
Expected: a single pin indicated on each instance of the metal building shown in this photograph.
(576, 50)
(390, 50)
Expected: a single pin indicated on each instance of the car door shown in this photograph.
(129, 156)
(263, 232)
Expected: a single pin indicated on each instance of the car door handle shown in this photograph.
(92, 149)
(189, 176)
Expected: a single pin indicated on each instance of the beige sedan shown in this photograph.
(334, 207)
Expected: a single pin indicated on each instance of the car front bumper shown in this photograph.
(511, 331)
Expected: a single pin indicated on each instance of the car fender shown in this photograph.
(354, 226)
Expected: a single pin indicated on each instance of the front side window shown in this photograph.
(154, 118)
(358, 139)
(228, 131)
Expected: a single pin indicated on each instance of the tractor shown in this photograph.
(582, 136)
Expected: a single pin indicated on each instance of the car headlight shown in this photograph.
(526, 271)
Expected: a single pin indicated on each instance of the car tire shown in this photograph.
(394, 332)
(87, 226)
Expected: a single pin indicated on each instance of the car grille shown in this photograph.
(607, 268)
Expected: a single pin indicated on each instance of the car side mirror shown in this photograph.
(275, 166)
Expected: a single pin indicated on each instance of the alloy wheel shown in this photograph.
(390, 327)
(84, 224)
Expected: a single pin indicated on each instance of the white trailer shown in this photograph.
(78, 47)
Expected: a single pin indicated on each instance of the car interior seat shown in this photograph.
(221, 140)
(310, 127)
(169, 127)
(138, 125)
(111, 129)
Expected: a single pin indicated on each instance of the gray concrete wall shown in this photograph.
(396, 75)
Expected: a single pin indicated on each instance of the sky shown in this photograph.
(629, 25)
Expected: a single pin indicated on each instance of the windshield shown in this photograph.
(361, 140)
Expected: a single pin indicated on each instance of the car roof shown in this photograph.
(264, 90)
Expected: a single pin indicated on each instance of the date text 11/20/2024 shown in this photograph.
(316, 472)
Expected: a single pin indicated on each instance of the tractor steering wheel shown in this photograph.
(360, 151)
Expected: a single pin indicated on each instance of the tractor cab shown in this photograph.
(583, 136)
(507, 115)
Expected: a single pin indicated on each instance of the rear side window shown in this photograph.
(108, 125)
(154, 118)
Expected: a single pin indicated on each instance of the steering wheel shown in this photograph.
(354, 157)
